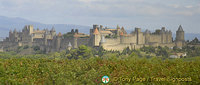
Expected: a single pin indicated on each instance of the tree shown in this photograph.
(82, 52)
(175, 48)
(68, 35)
(133, 54)
(195, 41)
(101, 51)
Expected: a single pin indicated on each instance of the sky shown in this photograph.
(146, 14)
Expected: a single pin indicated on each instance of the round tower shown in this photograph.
(163, 35)
(121, 37)
(45, 38)
(53, 32)
(118, 30)
(96, 37)
(180, 38)
(102, 42)
(147, 36)
(75, 40)
(180, 34)
(58, 44)
(76, 31)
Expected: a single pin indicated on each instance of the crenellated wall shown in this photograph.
(117, 39)
(155, 38)
(112, 41)
(116, 47)
(83, 41)
(128, 39)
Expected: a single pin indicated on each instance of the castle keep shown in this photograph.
(109, 39)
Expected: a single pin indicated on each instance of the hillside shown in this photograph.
(86, 66)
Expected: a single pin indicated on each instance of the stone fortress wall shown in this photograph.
(138, 39)
(109, 39)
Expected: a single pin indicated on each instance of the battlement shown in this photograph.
(110, 39)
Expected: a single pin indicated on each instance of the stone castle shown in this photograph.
(109, 39)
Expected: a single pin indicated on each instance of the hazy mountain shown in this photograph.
(7, 23)
(191, 36)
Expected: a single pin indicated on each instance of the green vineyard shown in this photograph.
(82, 67)
(89, 71)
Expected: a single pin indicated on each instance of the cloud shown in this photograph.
(189, 6)
(93, 8)
(174, 5)
(185, 13)
(104, 11)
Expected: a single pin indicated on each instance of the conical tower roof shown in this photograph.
(122, 28)
(121, 33)
(53, 29)
(180, 28)
(96, 31)
(15, 30)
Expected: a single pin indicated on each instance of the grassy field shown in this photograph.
(127, 71)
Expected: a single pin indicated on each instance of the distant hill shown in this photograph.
(191, 36)
(7, 23)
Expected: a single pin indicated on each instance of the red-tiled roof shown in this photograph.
(76, 35)
(96, 31)
(121, 33)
